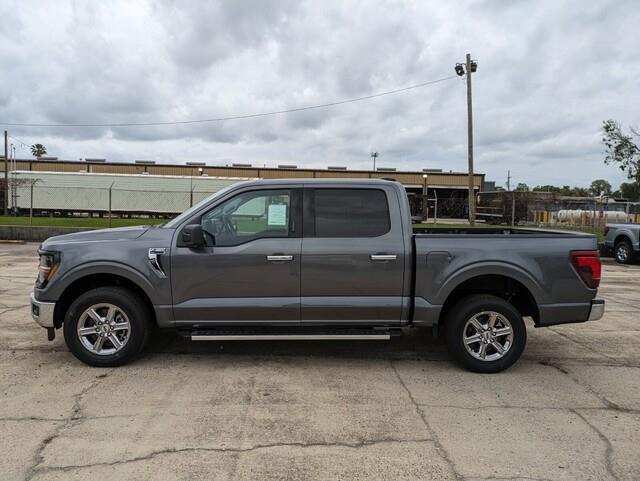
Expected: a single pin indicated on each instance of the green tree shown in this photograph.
(622, 149)
(546, 188)
(522, 187)
(600, 186)
(38, 150)
(630, 191)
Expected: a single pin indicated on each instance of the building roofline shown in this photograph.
(273, 169)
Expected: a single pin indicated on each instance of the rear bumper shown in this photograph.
(42, 312)
(553, 314)
(597, 310)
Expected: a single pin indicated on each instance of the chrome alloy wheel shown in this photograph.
(488, 336)
(104, 329)
(622, 253)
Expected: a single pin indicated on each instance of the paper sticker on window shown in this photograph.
(277, 214)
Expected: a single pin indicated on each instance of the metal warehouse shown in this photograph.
(116, 193)
(184, 184)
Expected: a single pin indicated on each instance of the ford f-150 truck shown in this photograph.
(317, 259)
(624, 240)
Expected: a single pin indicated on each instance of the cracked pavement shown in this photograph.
(568, 410)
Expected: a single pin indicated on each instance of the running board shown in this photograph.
(355, 335)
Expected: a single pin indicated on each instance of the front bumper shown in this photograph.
(42, 312)
(597, 310)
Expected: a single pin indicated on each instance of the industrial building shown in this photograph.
(68, 193)
(450, 188)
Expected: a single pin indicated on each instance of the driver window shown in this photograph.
(248, 216)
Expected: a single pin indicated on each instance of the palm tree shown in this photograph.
(38, 150)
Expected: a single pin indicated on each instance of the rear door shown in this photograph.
(352, 256)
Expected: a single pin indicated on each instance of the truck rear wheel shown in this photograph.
(107, 326)
(623, 252)
(485, 333)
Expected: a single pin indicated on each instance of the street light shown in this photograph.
(374, 155)
(460, 68)
(469, 67)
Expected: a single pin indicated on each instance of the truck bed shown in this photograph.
(495, 231)
(535, 261)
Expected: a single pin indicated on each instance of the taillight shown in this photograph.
(587, 265)
(606, 230)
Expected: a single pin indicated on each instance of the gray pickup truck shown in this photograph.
(624, 240)
(317, 259)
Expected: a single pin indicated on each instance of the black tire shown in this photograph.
(623, 252)
(128, 303)
(456, 328)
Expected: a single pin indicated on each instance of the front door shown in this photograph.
(352, 257)
(249, 272)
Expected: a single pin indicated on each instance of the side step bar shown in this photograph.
(355, 335)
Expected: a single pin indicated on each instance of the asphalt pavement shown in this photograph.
(395, 410)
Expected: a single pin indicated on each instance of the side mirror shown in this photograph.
(192, 236)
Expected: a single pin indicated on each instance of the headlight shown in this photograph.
(49, 262)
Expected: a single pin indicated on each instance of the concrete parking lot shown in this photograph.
(568, 410)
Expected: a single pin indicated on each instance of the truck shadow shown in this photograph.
(413, 344)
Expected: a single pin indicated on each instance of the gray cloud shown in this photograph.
(549, 73)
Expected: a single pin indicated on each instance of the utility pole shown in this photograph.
(472, 195)
(14, 185)
(468, 68)
(191, 188)
(425, 200)
(6, 175)
(374, 155)
(508, 180)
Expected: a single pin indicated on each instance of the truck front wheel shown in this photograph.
(107, 326)
(485, 333)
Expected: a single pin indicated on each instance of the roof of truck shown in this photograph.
(299, 181)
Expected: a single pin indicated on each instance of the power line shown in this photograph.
(23, 144)
(235, 117)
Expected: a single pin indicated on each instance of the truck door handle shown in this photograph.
(279, 257)
(383, 257)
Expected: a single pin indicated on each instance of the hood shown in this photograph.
(120, 233)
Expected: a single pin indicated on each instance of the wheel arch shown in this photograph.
(505, 286)
(95, 277)
(621, 237)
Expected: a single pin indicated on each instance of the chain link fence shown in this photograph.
(548, 209)
(434, 208)
(30, 198)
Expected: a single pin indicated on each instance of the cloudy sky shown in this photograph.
(549, 73)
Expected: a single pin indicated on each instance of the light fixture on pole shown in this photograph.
(374, 155)
(469, 67)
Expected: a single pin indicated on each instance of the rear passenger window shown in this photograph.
(350, 213)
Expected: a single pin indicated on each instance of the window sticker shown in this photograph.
(277, 214)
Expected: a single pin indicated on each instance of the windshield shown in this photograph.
(175, 222)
